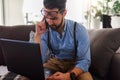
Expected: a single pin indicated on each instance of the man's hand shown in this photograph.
(59, 76)
(40, 29)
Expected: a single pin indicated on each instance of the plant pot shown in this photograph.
(106, 21)
(95, 23)
(115, 21)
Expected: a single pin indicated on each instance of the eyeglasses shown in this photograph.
(50, 14)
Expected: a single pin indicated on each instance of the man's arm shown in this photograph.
(37, 38)
(39, 30)
(83, 51)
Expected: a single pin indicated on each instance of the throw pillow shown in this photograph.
(31, 36)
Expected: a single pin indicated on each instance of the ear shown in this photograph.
(65, 12)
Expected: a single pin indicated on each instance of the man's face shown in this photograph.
(53, 16)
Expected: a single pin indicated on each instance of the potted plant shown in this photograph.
(96, 16)
(105, 17)
(116, 8)
(93, 15)
(100, 12)
(115, 21)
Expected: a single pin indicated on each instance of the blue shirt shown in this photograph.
(63, 47)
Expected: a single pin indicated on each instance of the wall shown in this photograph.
(1, 13)
(13, 12)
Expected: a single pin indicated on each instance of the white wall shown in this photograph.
(76, 10)
(13, 12)
(1, 13)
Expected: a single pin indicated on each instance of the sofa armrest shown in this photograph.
(115, 67)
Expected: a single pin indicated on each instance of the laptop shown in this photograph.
(23, 58)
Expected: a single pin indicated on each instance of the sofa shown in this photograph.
(104, 44)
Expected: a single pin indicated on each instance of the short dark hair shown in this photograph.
(50, 4)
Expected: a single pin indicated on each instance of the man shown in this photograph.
(56, 35)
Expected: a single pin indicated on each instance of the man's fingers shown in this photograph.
(57, 74)
(43, 19)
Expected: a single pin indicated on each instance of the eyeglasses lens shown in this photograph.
(51, 14)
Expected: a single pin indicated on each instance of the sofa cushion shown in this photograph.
(2, 62)
(104, 43)
(115, 67)
(19, 32)
(31, 36)
(118, 50)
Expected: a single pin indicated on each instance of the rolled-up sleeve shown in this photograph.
(44, 47)
(83, 49)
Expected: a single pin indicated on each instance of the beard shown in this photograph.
(55, 27)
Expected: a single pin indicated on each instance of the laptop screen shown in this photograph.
(23, 57)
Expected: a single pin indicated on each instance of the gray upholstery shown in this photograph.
(104, 43)
(115, 69)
